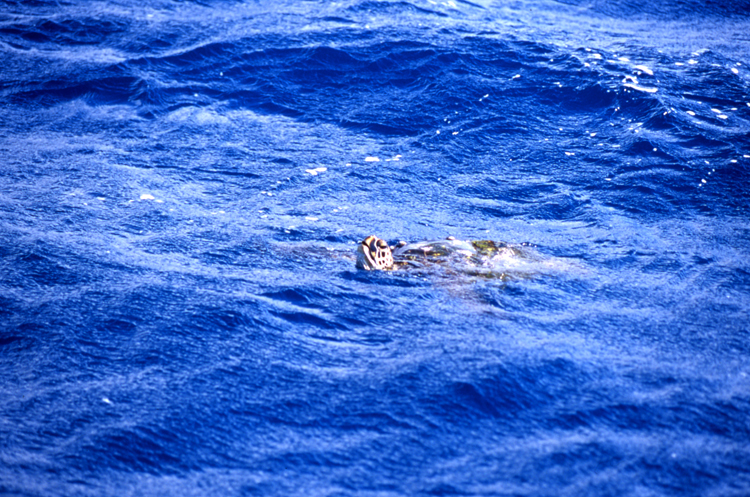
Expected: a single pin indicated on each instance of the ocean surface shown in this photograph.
(183, 186)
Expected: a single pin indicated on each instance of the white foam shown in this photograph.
(198, 115)
(645, 69)
(372, 159)
(314, 172)
(641, 88)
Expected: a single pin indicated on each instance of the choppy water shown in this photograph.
(182, 185)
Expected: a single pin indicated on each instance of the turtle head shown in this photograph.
(374, 253)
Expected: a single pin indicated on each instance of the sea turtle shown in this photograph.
(476, 257)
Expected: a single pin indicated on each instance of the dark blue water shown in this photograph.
(182, 185)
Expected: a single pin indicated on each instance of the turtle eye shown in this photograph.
(382, 244)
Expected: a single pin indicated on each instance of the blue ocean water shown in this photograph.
(183, 185)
